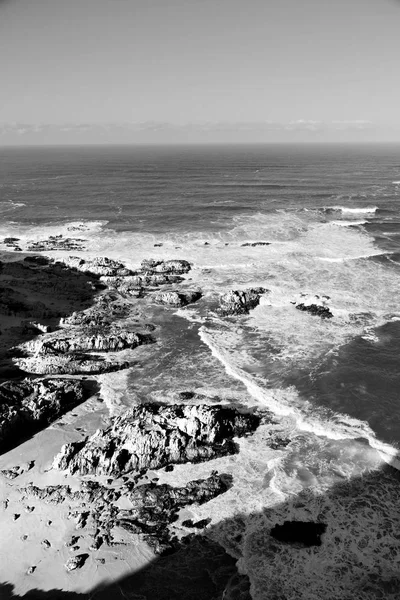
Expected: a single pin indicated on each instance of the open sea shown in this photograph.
(331, 215)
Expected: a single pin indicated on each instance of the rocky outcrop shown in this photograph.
(240, 302)
(56, 242)
(314, 309)
(100, 265)
(73, 364)
(152, 436)
(152, 507)
(314, 304)
(156, 506)
(76, 562)
(304, 533)
(177, 298)
(28, 405)
(86, 340)
(168, 267)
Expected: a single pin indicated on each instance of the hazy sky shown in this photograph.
(107, 61)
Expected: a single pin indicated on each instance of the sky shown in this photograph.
(314, 63)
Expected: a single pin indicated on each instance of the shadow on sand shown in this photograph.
(356, 558)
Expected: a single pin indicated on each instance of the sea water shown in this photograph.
(331, 217)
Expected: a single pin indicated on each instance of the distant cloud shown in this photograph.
(206, 132)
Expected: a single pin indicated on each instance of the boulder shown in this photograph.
(171, 267)
(153, 436)
(177, 298)
(240, 302)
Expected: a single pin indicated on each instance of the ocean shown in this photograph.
(331, 218)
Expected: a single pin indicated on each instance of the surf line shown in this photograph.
(336, 431)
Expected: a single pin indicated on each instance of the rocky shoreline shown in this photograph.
(76, 317)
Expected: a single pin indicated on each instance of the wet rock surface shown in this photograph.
(28, 405)
(152, 436)
(240, 302)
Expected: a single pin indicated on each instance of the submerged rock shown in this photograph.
(177, 298)
(152, 436)
(28, 405)
(305, 533)
(254, 244)
(240, 302)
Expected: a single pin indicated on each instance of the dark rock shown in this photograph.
(76, 562)
(72, 541)
(305, 533)
(156, 506)
(198, 525)
(10, 240)
(46, 544)
(56, 242)
(254, 244)
(152, 436)
(314, 309)
(31, 570)
(240, 302)
(28, 405)
(186, 395)
(16, 516)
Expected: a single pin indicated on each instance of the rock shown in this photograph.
(56, 242)
(198, 525)
(72, 541)
(254, 244)
(314, 309)
(73, 364)
(240, 302)
(16, 516)
(10, 240)
(305, 533)
(315, 305)
(100, 265)
(172, 267)
(152, 436)
(76, 562)
(156, 506)
(30, 404)
(86, 340)
(177, 298)
(31, 570)
(46, 544)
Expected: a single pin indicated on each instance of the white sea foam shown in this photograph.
(287, 403)
(353, 211)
